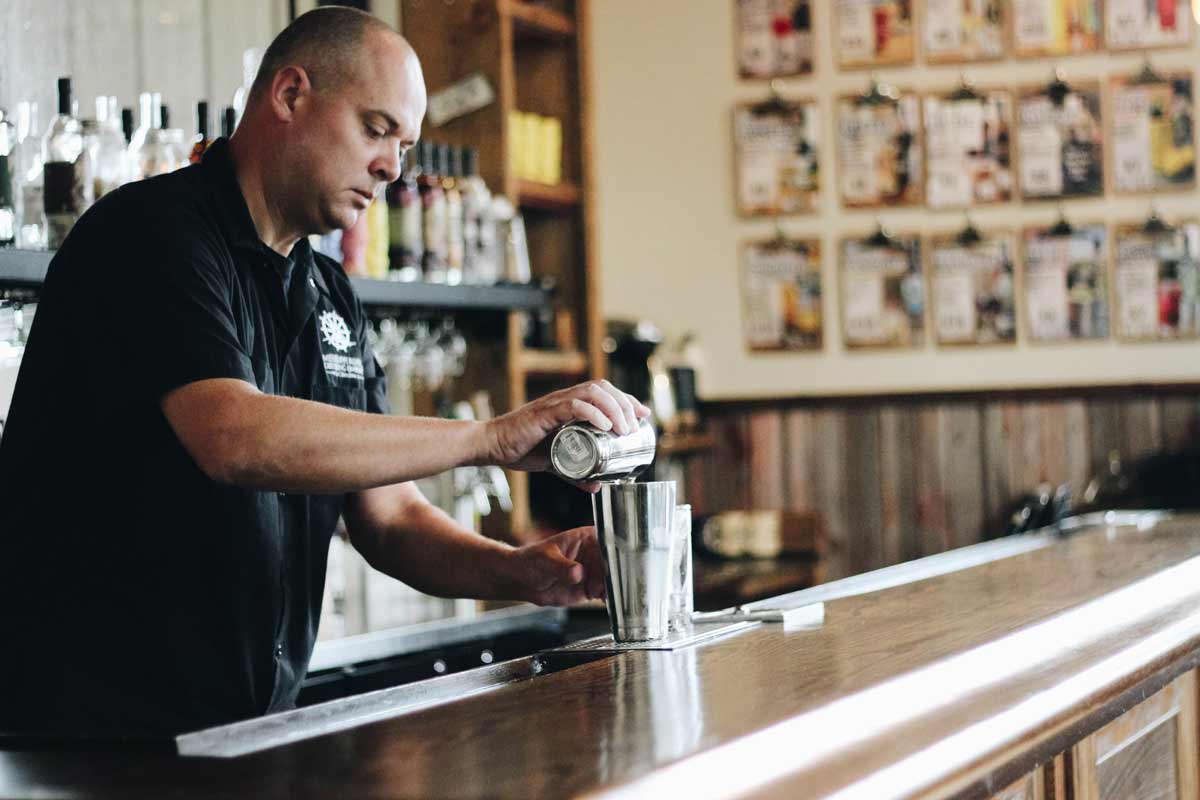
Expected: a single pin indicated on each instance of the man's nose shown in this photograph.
(387, 166)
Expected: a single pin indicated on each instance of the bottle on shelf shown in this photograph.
(145, 122)
(433, 215)
(106, 147)
(377, 239)
(228, 121)
(203, 127)
(127, 126)
(67, 170)
(479, 229)
(154, 150)
(450, 163)
(28, 179)
(405, 246)
(175, 139)
(8, 214)
(354, 248)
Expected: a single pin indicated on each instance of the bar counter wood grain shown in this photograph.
(959, 685)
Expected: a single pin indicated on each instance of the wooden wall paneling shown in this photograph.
(1031, 468)
(696, 472)
(864, 516)
(1104, 431)
(1078, 466)
(173, 57)
(997, 457)
(727, 477)
(766, 477)
(800, 454)
(1141, 428)
(932, 509)
(897, 484)
(830, 487)
(1180, 423)
(961, 446)
(103, 60)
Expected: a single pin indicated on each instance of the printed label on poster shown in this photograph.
(1137, 295)
(781, 295)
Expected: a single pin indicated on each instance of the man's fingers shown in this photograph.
(625, 402)
(589, 413)
(610, 405)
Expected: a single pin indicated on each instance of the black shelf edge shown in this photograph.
(27, 268)
(23, 267)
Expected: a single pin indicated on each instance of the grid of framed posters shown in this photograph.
(1065, 280)
(1060, 141)
(774, 38)
(1153, 141)
(1157, 281)
(781, 295)
(1138, 24)
(879, 150)
(883, 292)
(776, 157)
(872, 33)
(967, 134)
(963, 30)
(972, 288)
(1055, 27)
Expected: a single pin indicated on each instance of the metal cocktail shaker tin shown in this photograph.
(582, 452)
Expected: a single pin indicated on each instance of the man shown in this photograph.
(189, 424)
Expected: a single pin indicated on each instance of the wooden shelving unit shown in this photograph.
(536, 56)
(674, 444)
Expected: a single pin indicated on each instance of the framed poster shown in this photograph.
(879, 150)
(775, 157)
(956, 31)
(1066, 282)
(873, 33)
(1060, 141)
(883, 292)
(1055, 27)
(1156, 281)
(972, 289)
(774, 38)
(781, 295)
(1141, 24)
(968, 136)
(1153, 135)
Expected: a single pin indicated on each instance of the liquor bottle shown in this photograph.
(450, 162)
(8, 214)
(174, 140)
(28, 179)
(156, 154)
(67, 170)
(127, 124)
(433, 215)
(106, 147)
(479, 229)
(228, 121)
(377, 239)
(145, 122)
(405, 246)
(202, 141)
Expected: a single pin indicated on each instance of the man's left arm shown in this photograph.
(403, 535)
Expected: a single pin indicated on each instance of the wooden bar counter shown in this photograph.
(1063, 669)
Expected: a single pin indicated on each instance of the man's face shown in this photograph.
(350, 139)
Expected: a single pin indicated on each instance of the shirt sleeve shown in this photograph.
(170, 318)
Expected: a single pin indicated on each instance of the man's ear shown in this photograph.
(290, 84)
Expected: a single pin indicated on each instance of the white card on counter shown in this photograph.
(1137, 298)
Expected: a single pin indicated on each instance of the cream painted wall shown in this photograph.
(668, 235)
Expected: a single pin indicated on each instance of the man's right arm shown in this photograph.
(241, 436)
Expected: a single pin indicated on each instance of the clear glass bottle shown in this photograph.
(450, 161)
(106, 147)
(28, 179)
(479, 229)
(155, 153)
(8, 215)
(67, 170)
(175, 139)
(433, 213)
(405, 246)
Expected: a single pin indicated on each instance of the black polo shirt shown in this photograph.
(137, 595)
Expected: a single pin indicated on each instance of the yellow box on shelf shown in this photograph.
(535, 147)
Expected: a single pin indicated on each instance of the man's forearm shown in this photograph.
(432, 553)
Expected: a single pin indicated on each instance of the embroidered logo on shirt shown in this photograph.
(336, 334)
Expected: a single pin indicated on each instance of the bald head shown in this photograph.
(331, 44)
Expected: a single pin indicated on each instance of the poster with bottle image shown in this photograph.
(872, 33)
(883, 292)
(972, 289)
(968, 136)
(775, 160)
(1153, 138)
(955, 31)
(774, 38)
(1055, 27)
(1061, 142)
(781, 295)
(1156, 281)
(1141, 24)
(1066, 283)
(879, 152)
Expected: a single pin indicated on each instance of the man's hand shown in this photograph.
(521, 439)
(562, 570)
